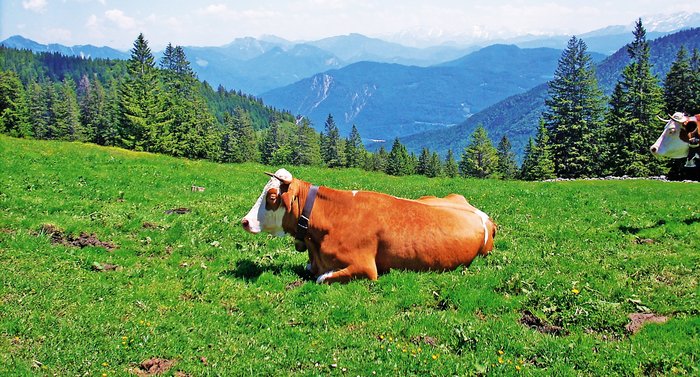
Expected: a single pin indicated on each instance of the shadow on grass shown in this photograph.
(691, 220)
(635, 230)
(250, 270)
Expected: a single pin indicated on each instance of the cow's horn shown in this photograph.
(284, 178)
(663, 120)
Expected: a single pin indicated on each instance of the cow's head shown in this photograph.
(673, 142)
(268, 212)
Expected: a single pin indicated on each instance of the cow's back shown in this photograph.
(426, 234)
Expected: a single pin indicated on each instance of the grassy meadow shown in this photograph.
(572, 261)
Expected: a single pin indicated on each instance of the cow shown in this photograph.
(679, 139)
(361, 234)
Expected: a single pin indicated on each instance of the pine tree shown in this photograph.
(271, 141)
(506, 168)
(695, 82)
(331, 145)
(146, 118)
(39, 110)
(434, 168)
(377, 161)
(307, 150)
(398, 161)
(678, 94)
(451, 168)
(423, 162)
(538, 163)
(66, 112)
(13, 106)
(636, 101)
(238, 141)
(479, 157)
(574, 113)
(354, 149)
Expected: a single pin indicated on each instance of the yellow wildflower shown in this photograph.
(575, 291)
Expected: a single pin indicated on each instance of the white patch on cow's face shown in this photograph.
(260, 218)
(669, 144)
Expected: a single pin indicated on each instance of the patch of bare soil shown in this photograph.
(152, 367)
(150, 225)
(532, 321)
(84, 240)
(638, 320)
(178, 211)
(294, 284)
(429, 340)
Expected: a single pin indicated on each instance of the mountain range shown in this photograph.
(430, 96)
(390, 100)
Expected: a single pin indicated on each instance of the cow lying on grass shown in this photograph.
(679, 139)
(351, 234)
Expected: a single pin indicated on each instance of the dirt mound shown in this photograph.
(59, 237)
(152, 367)
(638, 320)
(532, 321)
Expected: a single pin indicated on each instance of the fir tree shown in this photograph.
(434, 168)
(479, 158)
(378, 161)
(271, 141)
(506, 168)
(13, 106)
(695, 82)
(631, 119)
(537, 163)
(678, 94)
(451, 168)
(354, 149)
(423, 162)
(398, 161)
(39, 110)
(66, 113)
(238, 141)
(308, 146)
(331, 146)
(574, 113)
(146, 119)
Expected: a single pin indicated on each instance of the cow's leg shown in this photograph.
(348, 273)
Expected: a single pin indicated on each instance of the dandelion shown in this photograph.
(105, 364)
(500, 360)
(517, 367)
(500, 352)
(575, 291)
(435, 356)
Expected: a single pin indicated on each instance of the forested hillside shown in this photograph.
(518, 116)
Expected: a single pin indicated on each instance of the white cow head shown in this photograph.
(670, 143)
(267, 213)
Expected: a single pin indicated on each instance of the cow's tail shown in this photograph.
(489, 233)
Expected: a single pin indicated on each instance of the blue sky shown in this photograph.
(217, 22)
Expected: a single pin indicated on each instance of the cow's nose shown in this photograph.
(245, 223)
(653, 149)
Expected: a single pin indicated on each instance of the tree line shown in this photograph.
(162, 108)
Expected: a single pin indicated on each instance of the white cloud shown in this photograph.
(60, 35)
(35, 5)
(120, 19)
(93, 22)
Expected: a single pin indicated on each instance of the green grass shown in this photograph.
(196, 286)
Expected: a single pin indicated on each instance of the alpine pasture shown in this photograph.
(110, 264)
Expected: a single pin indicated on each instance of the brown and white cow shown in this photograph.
(679, 138)
(354, 234)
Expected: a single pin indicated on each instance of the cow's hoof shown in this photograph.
(321, 279)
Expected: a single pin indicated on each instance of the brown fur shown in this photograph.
(369, 233)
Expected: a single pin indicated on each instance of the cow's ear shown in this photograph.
(288, 197)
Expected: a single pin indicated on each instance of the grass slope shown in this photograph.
(196, 289)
